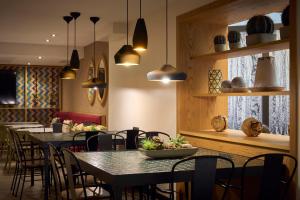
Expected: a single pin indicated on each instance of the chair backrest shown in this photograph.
(71, 163)
(275, 178)
(130, 137)
(105, 142)
(86, 136)
(150, 134)
(18, 146)
(203, 175)
(59, 173)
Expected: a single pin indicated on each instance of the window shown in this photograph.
(241, 108)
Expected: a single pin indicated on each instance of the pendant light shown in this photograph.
(94, 82)
(75, 63)
(140, 36)
(67, 72)
(167, 72)
(127, 56)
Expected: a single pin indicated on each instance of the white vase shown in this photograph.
(266, 75)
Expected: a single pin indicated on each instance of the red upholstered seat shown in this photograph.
(81, 118)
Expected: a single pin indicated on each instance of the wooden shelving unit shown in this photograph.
(278, 93)
(245, 51)
(265, 140)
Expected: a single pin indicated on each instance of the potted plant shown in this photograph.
(285, 19)
(220, 43)
(234, 38)
(260, 29)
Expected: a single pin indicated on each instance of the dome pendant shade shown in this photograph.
(74, 62)
(166, 72)
(140, 36)
(67, 73)
(127, 56)
(94, 83)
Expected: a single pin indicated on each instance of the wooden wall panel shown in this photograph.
(196, 113)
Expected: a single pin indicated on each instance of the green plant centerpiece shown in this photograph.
(156, 147)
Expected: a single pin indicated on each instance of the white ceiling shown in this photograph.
(31, 22)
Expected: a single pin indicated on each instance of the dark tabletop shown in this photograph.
(133, 168)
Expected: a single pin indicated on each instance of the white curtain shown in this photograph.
(241, 108)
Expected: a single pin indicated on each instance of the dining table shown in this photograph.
(36, 130)
(59, 140)
(121, 169)
(18, 126)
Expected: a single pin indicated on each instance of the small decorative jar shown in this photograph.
(214, 81)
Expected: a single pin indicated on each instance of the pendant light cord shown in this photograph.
(94, 48)
(67, 43)
(127, 22)
(166, 31)
(140, 8)
(74, 33)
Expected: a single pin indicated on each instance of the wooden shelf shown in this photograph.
(277, 93)
(265, 140)
(249, 50)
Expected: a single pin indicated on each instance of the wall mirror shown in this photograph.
(102, 73)
(91, 93)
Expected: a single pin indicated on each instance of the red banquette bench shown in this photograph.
(81, 118)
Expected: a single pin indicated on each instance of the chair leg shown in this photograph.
(14, 177)
(18, 184)
(24, 177)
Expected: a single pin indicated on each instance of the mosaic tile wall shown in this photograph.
(42, 94)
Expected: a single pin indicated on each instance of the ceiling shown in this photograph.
(29, 23)
(33, 21)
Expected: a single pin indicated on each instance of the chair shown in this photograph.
(203, 175)
(130, 137)
(82, 192)
(105, 142)
(26, 162)
(150, 134)
(59, 173)
(275, 178)
(85, 135)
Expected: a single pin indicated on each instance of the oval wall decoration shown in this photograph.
(102, 73)
(91, 93)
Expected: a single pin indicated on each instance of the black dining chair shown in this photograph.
(130, 137)
(83, 135)
(105, 142)
(81, 190)
(275, 178)
(28, 159)
(203, 175)
(150, 134)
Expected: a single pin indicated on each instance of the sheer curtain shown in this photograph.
(241, 108)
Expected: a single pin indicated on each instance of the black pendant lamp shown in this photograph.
(167, 72)
(94, 82)
(75, 63)
(127, 56)
(140, 36)
(67, 72)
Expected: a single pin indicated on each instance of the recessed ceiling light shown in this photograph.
(53, 35)
(28, 63)
(47, 40)
(40, 57)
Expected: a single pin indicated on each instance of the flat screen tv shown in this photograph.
(8, 87)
